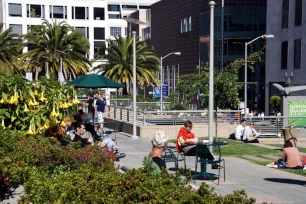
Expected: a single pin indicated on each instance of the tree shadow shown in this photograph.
(287, 181)
(6, 192)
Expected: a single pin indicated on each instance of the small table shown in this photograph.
(204, 147)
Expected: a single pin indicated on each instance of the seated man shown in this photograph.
(239, 132)
(80, 130)
(186, 142)
(250, 134)
(159, 143)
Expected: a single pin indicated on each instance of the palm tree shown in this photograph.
(50, 43)
(119, 66)
(9, 44)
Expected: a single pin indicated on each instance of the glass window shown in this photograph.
(16, 28)
(144, 7)
(126, 31)
(99, 14)
(99, 48)
(114, 16)
(284, 54)
(298, 12)
(83, 30)
(115, 31)
(297, 53)
(129, 7)
(99, 33)
(58, 12)
(15, 10)
(79, 12)
(35, 11)
(285, 14)
(186, 25)
(113, 8)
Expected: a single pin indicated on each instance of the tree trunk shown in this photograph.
(216, 129)
(36, 73)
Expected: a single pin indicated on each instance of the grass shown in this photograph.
(236, 148)
(301, 149)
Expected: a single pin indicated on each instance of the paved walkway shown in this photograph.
(265, 184)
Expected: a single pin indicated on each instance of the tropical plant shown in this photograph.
(9, 44)
(275, 102)
(50, 43)
(119, 66)
(32, 107)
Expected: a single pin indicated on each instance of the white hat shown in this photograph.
(160, 139)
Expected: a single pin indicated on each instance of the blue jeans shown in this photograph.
(282, 163)
(110, 143)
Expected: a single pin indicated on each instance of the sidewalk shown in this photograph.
(265, 184)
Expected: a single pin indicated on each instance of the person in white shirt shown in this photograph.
(239, 132)
(250, 134)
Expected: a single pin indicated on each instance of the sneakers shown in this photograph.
(272, 166)
(120, 155)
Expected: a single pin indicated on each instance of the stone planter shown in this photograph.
(289, 133)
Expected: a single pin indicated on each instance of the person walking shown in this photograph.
(100, 107)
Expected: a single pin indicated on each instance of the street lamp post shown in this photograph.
(211, 74)
(246, 69)
(134, 88)
(161, 77)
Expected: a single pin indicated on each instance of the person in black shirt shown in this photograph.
(80, 129)
(91, 108)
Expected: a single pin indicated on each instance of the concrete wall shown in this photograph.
(274, 73)
(200, 130)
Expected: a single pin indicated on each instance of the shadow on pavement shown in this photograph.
(286, 181)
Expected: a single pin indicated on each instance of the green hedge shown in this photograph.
(52, 173)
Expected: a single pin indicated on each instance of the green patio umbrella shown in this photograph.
(94, 81)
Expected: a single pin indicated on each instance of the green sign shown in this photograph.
(297, 108)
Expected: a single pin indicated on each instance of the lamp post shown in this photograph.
(246, 69)
(211, 74)
(161, 77)
(137, 22)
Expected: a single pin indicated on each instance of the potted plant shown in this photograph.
(290, 134)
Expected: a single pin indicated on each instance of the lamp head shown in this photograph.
(268, 36)
(178, 53)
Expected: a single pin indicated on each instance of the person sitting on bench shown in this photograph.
(186, 142)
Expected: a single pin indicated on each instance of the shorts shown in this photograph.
(100, 118)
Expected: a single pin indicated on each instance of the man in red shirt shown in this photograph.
(186, 142)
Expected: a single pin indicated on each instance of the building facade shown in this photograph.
(234, 26)
(286, 53)
(184, 27)
(97, 20)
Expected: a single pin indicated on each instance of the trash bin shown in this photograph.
(291, 134)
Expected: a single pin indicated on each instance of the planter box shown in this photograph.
(289, 133)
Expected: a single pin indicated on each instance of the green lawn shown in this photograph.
(236, 148)
(301, 149)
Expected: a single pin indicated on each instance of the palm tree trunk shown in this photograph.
(36, 73)
(47, 70)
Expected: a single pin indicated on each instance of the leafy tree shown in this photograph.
(51, 42)
(275, 102)
(9, 44)
(226, 84)
(119, 66)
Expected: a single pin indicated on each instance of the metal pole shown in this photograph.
(211, 74)
(161, 85)
(134, 88)
(245, 79)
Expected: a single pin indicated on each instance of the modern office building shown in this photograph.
(286, 53)
(234, 26)
(97, 20)
(184, 27)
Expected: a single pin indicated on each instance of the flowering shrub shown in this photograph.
(28, 106)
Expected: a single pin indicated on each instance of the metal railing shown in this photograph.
(269, 126)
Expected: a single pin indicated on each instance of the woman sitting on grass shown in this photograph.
(291, 158)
